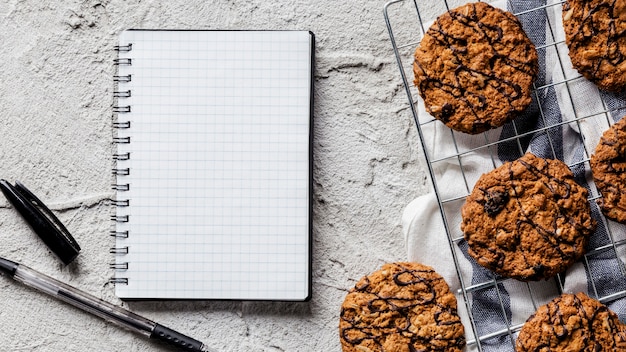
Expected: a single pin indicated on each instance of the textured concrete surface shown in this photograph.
(55, 108)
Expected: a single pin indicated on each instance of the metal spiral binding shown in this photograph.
(122, 79)
(121, 203)
(123, 218)
(119, 280)
(119, 266)
(121, 109)
(122, 187)
(120, 234)
(122, 94)
(121, 125)
(121, 140)
(121, 172)
(119, 157)
(123, 48)
(118, 62)
(118, 250)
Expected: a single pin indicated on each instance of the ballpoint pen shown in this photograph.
(103, 309)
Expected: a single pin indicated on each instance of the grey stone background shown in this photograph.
(55, 136)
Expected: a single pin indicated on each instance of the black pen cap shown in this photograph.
(45, 224)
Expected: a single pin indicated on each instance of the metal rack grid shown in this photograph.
(407, 20)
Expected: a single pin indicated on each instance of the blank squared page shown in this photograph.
(219, 165)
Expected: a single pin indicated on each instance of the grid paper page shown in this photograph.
(219, 178)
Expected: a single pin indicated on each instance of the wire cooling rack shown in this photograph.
(407, 20)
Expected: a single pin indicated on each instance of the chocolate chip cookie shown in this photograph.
(608, 165)
(401, 307)
(527, 219)
(572, 323)
(475, 68)
(595, 33)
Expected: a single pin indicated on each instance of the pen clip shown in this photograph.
(47, 226)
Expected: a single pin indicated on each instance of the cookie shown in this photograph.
(475, 67)
(608, 166)
(595, 33)
(401, 307)
(572, 323)
(527, 219)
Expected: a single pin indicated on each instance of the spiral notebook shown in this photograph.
(213, 165)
